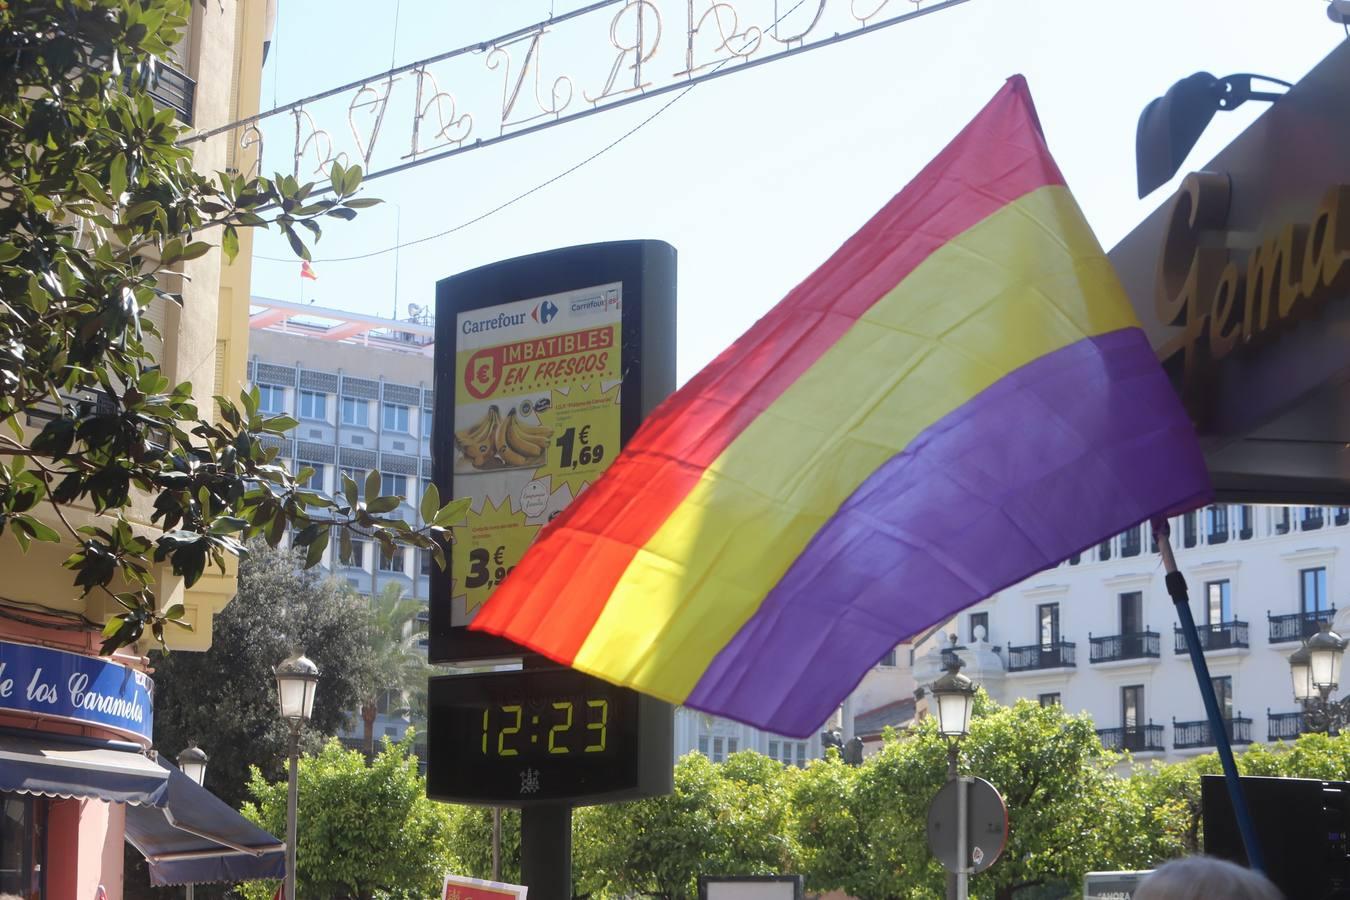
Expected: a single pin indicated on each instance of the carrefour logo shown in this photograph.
(492, 323)
(544, 312)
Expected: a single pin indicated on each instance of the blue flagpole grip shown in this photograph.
(1176, 589)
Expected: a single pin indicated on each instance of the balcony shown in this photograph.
(1134, 738)
(1298, 626)
(1189, 735)
(1058, 655)
(174, 90)
(1283, 726)
(1115, 647)
(1217, 636)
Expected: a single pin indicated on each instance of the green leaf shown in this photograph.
(350, 490)
(372, 484)
(195, 249)
(383, 504)
(112, 626)
(117, 176)
(229, 243)
(8, 252)
(453, 513)
(316, 549)
(431, 502)
(362, 202)
(227, 525)
(40, 531)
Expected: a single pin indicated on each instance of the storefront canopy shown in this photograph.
(51, 767)
(195, 837)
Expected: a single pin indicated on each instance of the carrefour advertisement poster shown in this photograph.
(536, 421)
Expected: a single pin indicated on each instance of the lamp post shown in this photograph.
(297, 679)
(192, 762)
(954, 694)
(1315, 669)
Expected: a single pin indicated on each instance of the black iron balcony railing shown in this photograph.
(1139, 645)
(173, 89)
(1298, 626)
(1187, 735)
(1216, 636)
(1283, 726)
(1058, 655)
(1135, 738)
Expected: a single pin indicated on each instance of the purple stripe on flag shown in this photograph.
(1072, 448)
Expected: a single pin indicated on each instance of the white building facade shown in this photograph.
(1099, 632)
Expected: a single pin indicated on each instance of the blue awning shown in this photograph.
(51, 767)
(196, 838)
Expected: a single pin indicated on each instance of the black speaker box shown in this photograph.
(1301, 824)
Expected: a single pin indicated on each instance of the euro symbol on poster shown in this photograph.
(482, 374)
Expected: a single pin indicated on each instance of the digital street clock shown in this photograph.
(539, 736)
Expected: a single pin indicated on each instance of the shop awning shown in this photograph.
(195, 838)
(54, 768)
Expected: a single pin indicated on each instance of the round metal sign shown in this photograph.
(986, 825)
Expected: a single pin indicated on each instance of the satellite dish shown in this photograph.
(414, 309)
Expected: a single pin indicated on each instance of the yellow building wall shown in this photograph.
(205, 341)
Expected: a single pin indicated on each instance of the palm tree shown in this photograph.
(397, 664)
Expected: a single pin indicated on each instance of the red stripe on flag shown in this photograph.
(556, 593)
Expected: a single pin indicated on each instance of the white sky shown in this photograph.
(757, 177)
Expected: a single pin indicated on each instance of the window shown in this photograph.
(719, 750)
(1312, 518)
(1313, 589)
(355, 475)
(1188, 530)
(979, 620)
(1132, 706)
(1244, 522)
(391, 561)
(1282, 521)
(22, 830)
(1223, 692)
(355, 412)
(314, 405)
(1050, 700)
(396, 417)
(427, 419)
(703, 744)
(732, 745)
(315, 482)
(801, 755)
(1132, 612)
(393, 485)
(1131, 542)
(1216, 524)
(425, 562)
(1047, 620)
(1218, 602)
(271, 399)
(1075, 559)
(1104, 550)
(1342, 516)
(888, 659)
(358, 558)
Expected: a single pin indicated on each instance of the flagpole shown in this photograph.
(1176, 588)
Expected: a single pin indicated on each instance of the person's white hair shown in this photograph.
(1203, 878)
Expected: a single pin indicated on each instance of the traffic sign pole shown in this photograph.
(962, 837)
(546, 850)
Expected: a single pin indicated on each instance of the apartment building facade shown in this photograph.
(1099, 632)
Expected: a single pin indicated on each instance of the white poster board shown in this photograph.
(751, 887)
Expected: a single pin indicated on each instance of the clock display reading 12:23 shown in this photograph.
(562, 726)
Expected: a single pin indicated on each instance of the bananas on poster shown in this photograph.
(536, 421)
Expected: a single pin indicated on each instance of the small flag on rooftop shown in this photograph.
(307, 271)
(960, 397)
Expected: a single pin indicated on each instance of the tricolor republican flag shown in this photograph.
(961, 396)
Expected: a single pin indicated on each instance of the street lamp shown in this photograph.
(297, 679)
(954, 694)
(1315, 669)
(192, 762)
